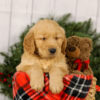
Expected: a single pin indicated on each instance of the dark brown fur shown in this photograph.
(78, 48)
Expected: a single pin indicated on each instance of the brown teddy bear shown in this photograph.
(77, 53)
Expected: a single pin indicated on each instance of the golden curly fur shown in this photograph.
(44, 51)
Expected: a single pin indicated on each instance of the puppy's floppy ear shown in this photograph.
(28, 43)
(64, 44)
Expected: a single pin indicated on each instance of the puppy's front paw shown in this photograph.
(56, 86)
(37, 85)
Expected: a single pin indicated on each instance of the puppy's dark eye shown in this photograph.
(43, 38)
(56, 38)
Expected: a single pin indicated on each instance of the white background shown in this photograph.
(15, 15)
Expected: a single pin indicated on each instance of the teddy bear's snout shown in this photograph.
(52, 50)
(72, 49)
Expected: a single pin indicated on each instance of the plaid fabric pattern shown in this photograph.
(76, 87)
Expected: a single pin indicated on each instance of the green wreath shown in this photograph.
(13, 57)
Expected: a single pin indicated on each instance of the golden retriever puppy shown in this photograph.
(44, 51)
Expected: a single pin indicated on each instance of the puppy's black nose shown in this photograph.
(52, 50)
(72, 49)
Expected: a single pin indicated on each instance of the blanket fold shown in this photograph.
(76, 87)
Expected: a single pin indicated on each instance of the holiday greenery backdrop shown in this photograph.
(13, 57)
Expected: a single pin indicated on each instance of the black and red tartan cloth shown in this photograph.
(76, 87)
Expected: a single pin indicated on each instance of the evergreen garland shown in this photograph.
(13, 57)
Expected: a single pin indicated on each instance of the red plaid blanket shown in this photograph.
(76, 87)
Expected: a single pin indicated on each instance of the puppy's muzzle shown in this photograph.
(52, 50)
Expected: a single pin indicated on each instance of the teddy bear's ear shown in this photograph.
(28, 43)
(88, 43)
